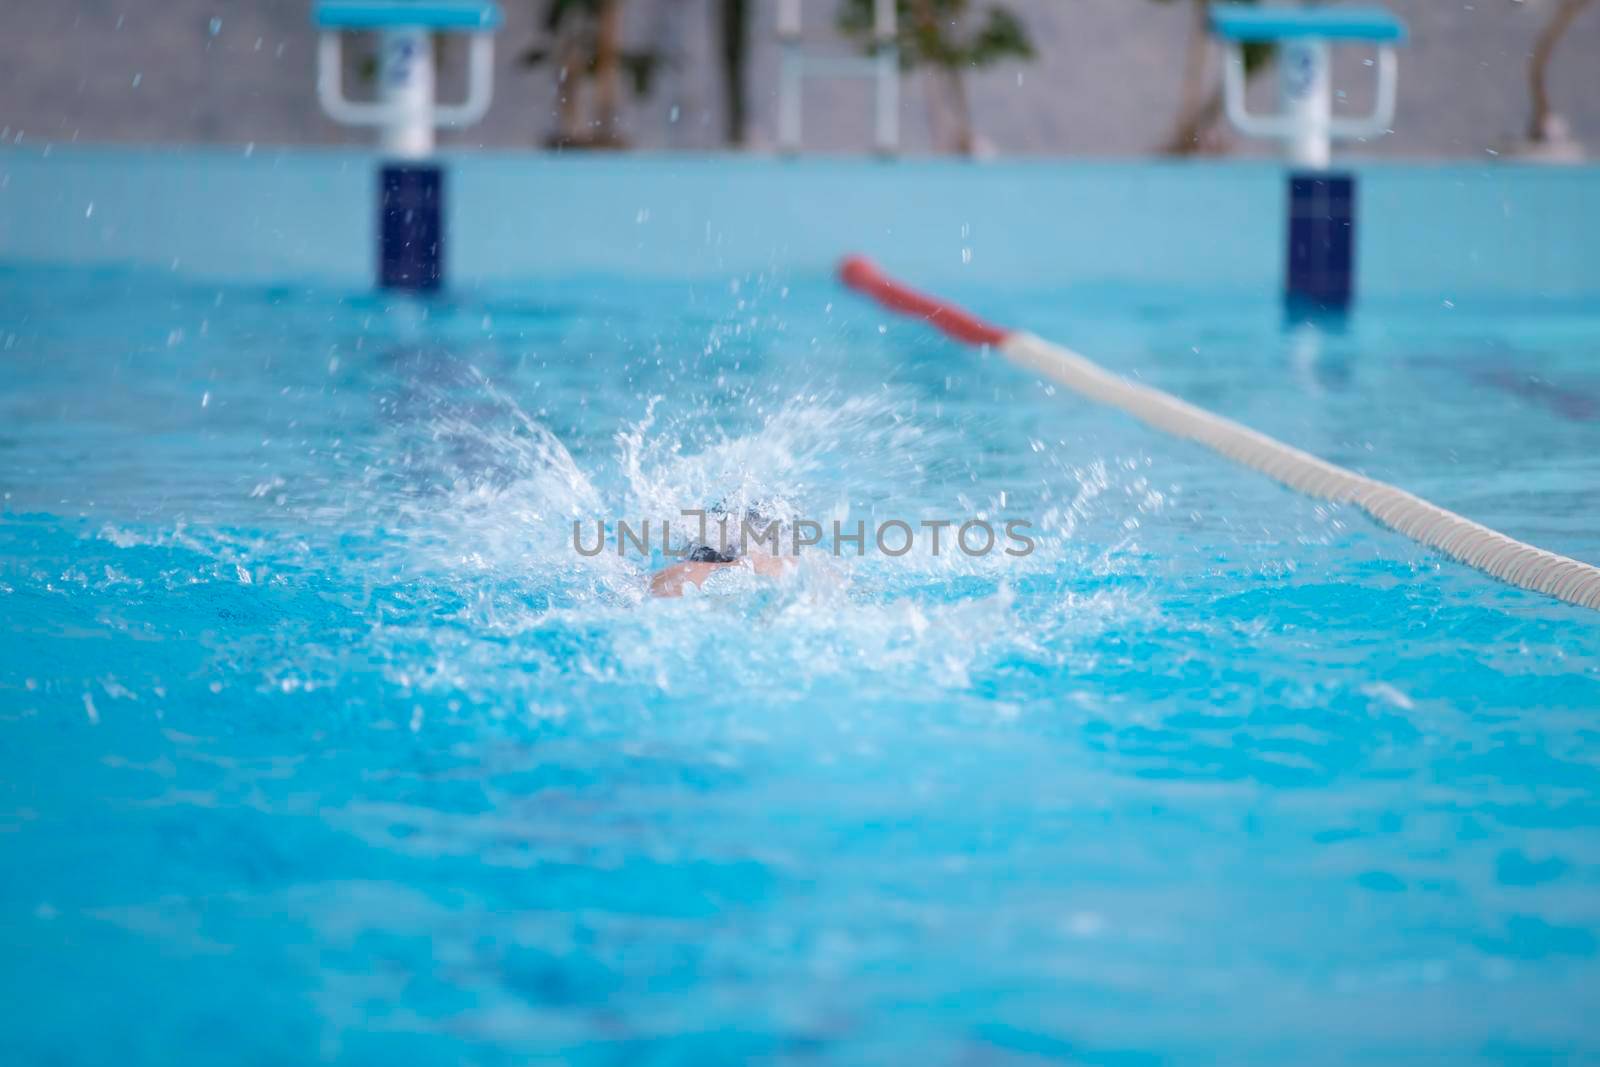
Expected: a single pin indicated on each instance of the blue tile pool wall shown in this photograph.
(1430, 233)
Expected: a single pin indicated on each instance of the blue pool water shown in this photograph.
(319, 743)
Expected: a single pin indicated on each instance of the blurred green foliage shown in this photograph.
(931, 31)
(582, 17)
(1257, 54)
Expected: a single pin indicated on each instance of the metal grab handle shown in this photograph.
(1283, 127)
(1382, 117)
(330, 88)
(1233, 93)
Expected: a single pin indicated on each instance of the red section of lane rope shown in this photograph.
(862, 275)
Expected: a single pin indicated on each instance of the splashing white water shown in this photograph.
(459, 532)
(805, 458)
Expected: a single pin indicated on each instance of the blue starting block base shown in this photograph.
(1320, 277)
(411, 227)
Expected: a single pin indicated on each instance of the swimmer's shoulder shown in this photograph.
(670, 581)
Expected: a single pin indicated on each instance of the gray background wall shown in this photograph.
(1106, 81)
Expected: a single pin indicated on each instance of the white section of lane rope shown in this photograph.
(1460, 538)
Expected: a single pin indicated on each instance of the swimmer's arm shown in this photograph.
(670, 582)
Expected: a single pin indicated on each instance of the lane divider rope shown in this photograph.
(1472, 543)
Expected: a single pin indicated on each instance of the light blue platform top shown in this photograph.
(434, 15)
(1235, 22)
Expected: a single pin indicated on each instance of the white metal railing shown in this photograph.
(883, 66)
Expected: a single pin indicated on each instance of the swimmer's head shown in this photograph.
(758, 519)
(757, 513)
(707, 554)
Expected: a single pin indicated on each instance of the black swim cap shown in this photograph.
(707, 554)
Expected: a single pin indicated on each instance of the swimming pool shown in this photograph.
(321, 742)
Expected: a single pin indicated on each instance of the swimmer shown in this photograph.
(703, 560)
